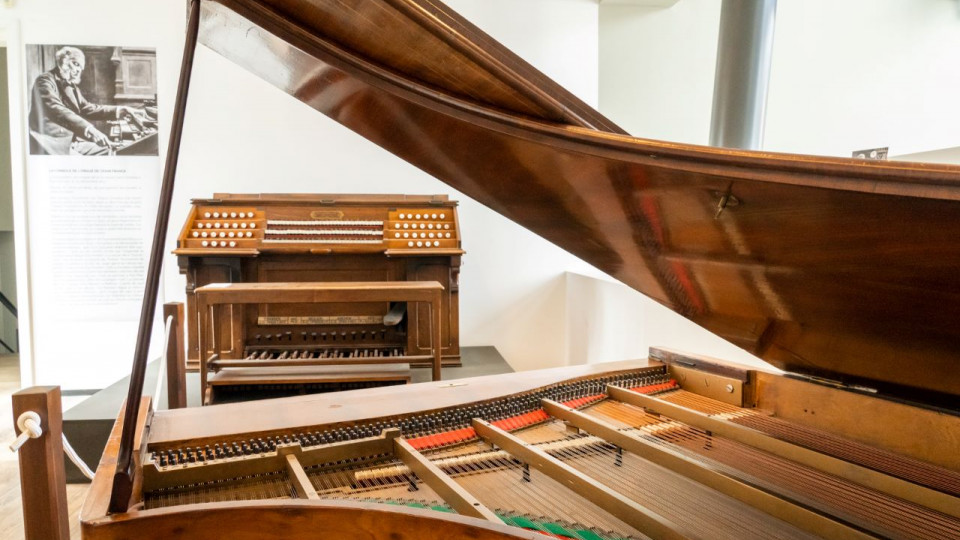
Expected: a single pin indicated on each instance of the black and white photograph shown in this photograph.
(92, 100)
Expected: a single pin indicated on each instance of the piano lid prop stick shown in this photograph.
(123, 477)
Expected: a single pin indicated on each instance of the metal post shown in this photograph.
(744, 54)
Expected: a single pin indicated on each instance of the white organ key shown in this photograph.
(410, 244)
(195, 234)
(233, 244)
(243, 225)
(206, 214)
(204, 243)
(216, 214)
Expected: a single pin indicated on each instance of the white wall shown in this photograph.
(607, 321)
(656, 68)
(846, 75)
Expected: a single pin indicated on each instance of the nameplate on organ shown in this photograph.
(840, 273)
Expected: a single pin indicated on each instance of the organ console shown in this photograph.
(233, 238)
(840, 273)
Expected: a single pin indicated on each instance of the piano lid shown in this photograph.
(847, 270)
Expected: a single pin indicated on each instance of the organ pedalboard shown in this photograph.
(291, 238)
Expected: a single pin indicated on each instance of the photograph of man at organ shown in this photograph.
(491, 270)
(63, 121)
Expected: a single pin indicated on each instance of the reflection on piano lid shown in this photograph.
(840, 269)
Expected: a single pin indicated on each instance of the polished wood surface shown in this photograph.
(42, 476)
(826, 266)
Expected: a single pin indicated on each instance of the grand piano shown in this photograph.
(841, 273)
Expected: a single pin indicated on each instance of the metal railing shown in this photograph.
(5, 302)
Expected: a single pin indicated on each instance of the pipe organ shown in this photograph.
(233, 238)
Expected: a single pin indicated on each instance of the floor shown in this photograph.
(11, 512)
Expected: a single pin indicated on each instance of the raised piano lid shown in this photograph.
(842, 269)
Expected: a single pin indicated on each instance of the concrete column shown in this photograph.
(744, 53)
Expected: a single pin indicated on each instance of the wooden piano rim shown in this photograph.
(393, 522)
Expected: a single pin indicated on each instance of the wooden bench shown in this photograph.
(211, 299)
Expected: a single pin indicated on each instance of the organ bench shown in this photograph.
(311, 358)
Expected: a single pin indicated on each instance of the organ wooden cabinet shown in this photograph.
(232, 238)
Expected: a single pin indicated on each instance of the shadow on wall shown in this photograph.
(532, 329)
(573, 319)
